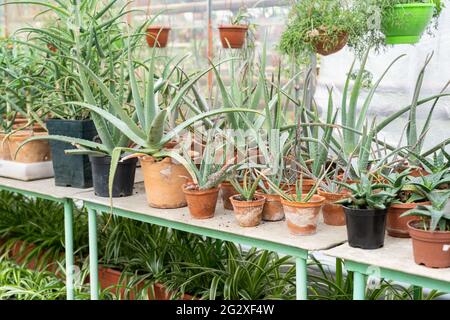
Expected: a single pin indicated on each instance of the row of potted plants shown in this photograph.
(141, 109)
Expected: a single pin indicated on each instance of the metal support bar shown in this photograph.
(359, 286)
(302, 278)
(68, 244)
(93, 255)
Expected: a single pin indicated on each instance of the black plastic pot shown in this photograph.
(365, 227)
(123, 179)
(71, 170)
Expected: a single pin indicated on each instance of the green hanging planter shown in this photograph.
(406, 23)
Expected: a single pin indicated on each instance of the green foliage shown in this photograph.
(247, 188)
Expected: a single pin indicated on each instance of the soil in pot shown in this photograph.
(333, 214)
(302, 217)
(71, 170)
(324, 46)
(227, 191)
(365, 227)
(201, 203)
(157, 36)
(273, 209)
(406, 23)
(123, 178)
(397, 226)
(5, 154)
(35, 151)
(248, 213)
(233, 36)
(429, 247)
(163, 182)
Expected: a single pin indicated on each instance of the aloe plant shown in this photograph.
(247, 188)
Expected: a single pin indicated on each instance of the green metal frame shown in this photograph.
(361, 271)
(68, 232)
(301, 255)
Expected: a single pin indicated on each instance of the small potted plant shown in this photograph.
(366, 210)
(247, 205)
(202, 193)
(404, 21)
(333, 213)
(431, 232)
(408, 197)
(233, 35)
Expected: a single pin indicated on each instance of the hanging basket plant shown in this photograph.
(322, 26)
(404, 22)
(157, 36)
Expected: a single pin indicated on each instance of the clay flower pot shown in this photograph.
(163, 182)
(201, 203)
(233, 36)
(333, 214)
(5, 154)
(302, 217)
(273, 209)
(397, 226)
(307, 185)
(227, 190)
(248, 213)
(35, 151)
(429, 246)
(322, 42)
(157, 36)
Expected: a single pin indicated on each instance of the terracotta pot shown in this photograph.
(5, 154)
(323, 47)
(429, 247)
(233, 36)
(21, 250)
(273, 210)
(302, 217)
(35, 151)
(418, 172)
(163, 182)
(248, 213)
(201, 203)
(227, 190)
(333, 214)
(307, 185)
(397, 226)
(157, 36)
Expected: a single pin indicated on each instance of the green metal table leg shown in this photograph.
(359, 286)
(93, 255)
(418, 293)
(302, 278)
(68, 243)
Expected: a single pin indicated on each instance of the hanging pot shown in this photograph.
(163, 182)
(365, 227)
(232, 36)
(406, 23)
(302, 217)
(248, 213)
(431, 248)
(157, 36)
(34, 151)
(324, 46)
(397, 226)
(201, 203)
(123, 178)
(71, 170)
(333, 214)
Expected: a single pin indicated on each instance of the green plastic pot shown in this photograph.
(406, 23)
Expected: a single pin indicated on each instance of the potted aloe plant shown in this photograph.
(404, 21)
(366, 210)
(248, 206)
(430, 233)
(232, 35)
(202, 193)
